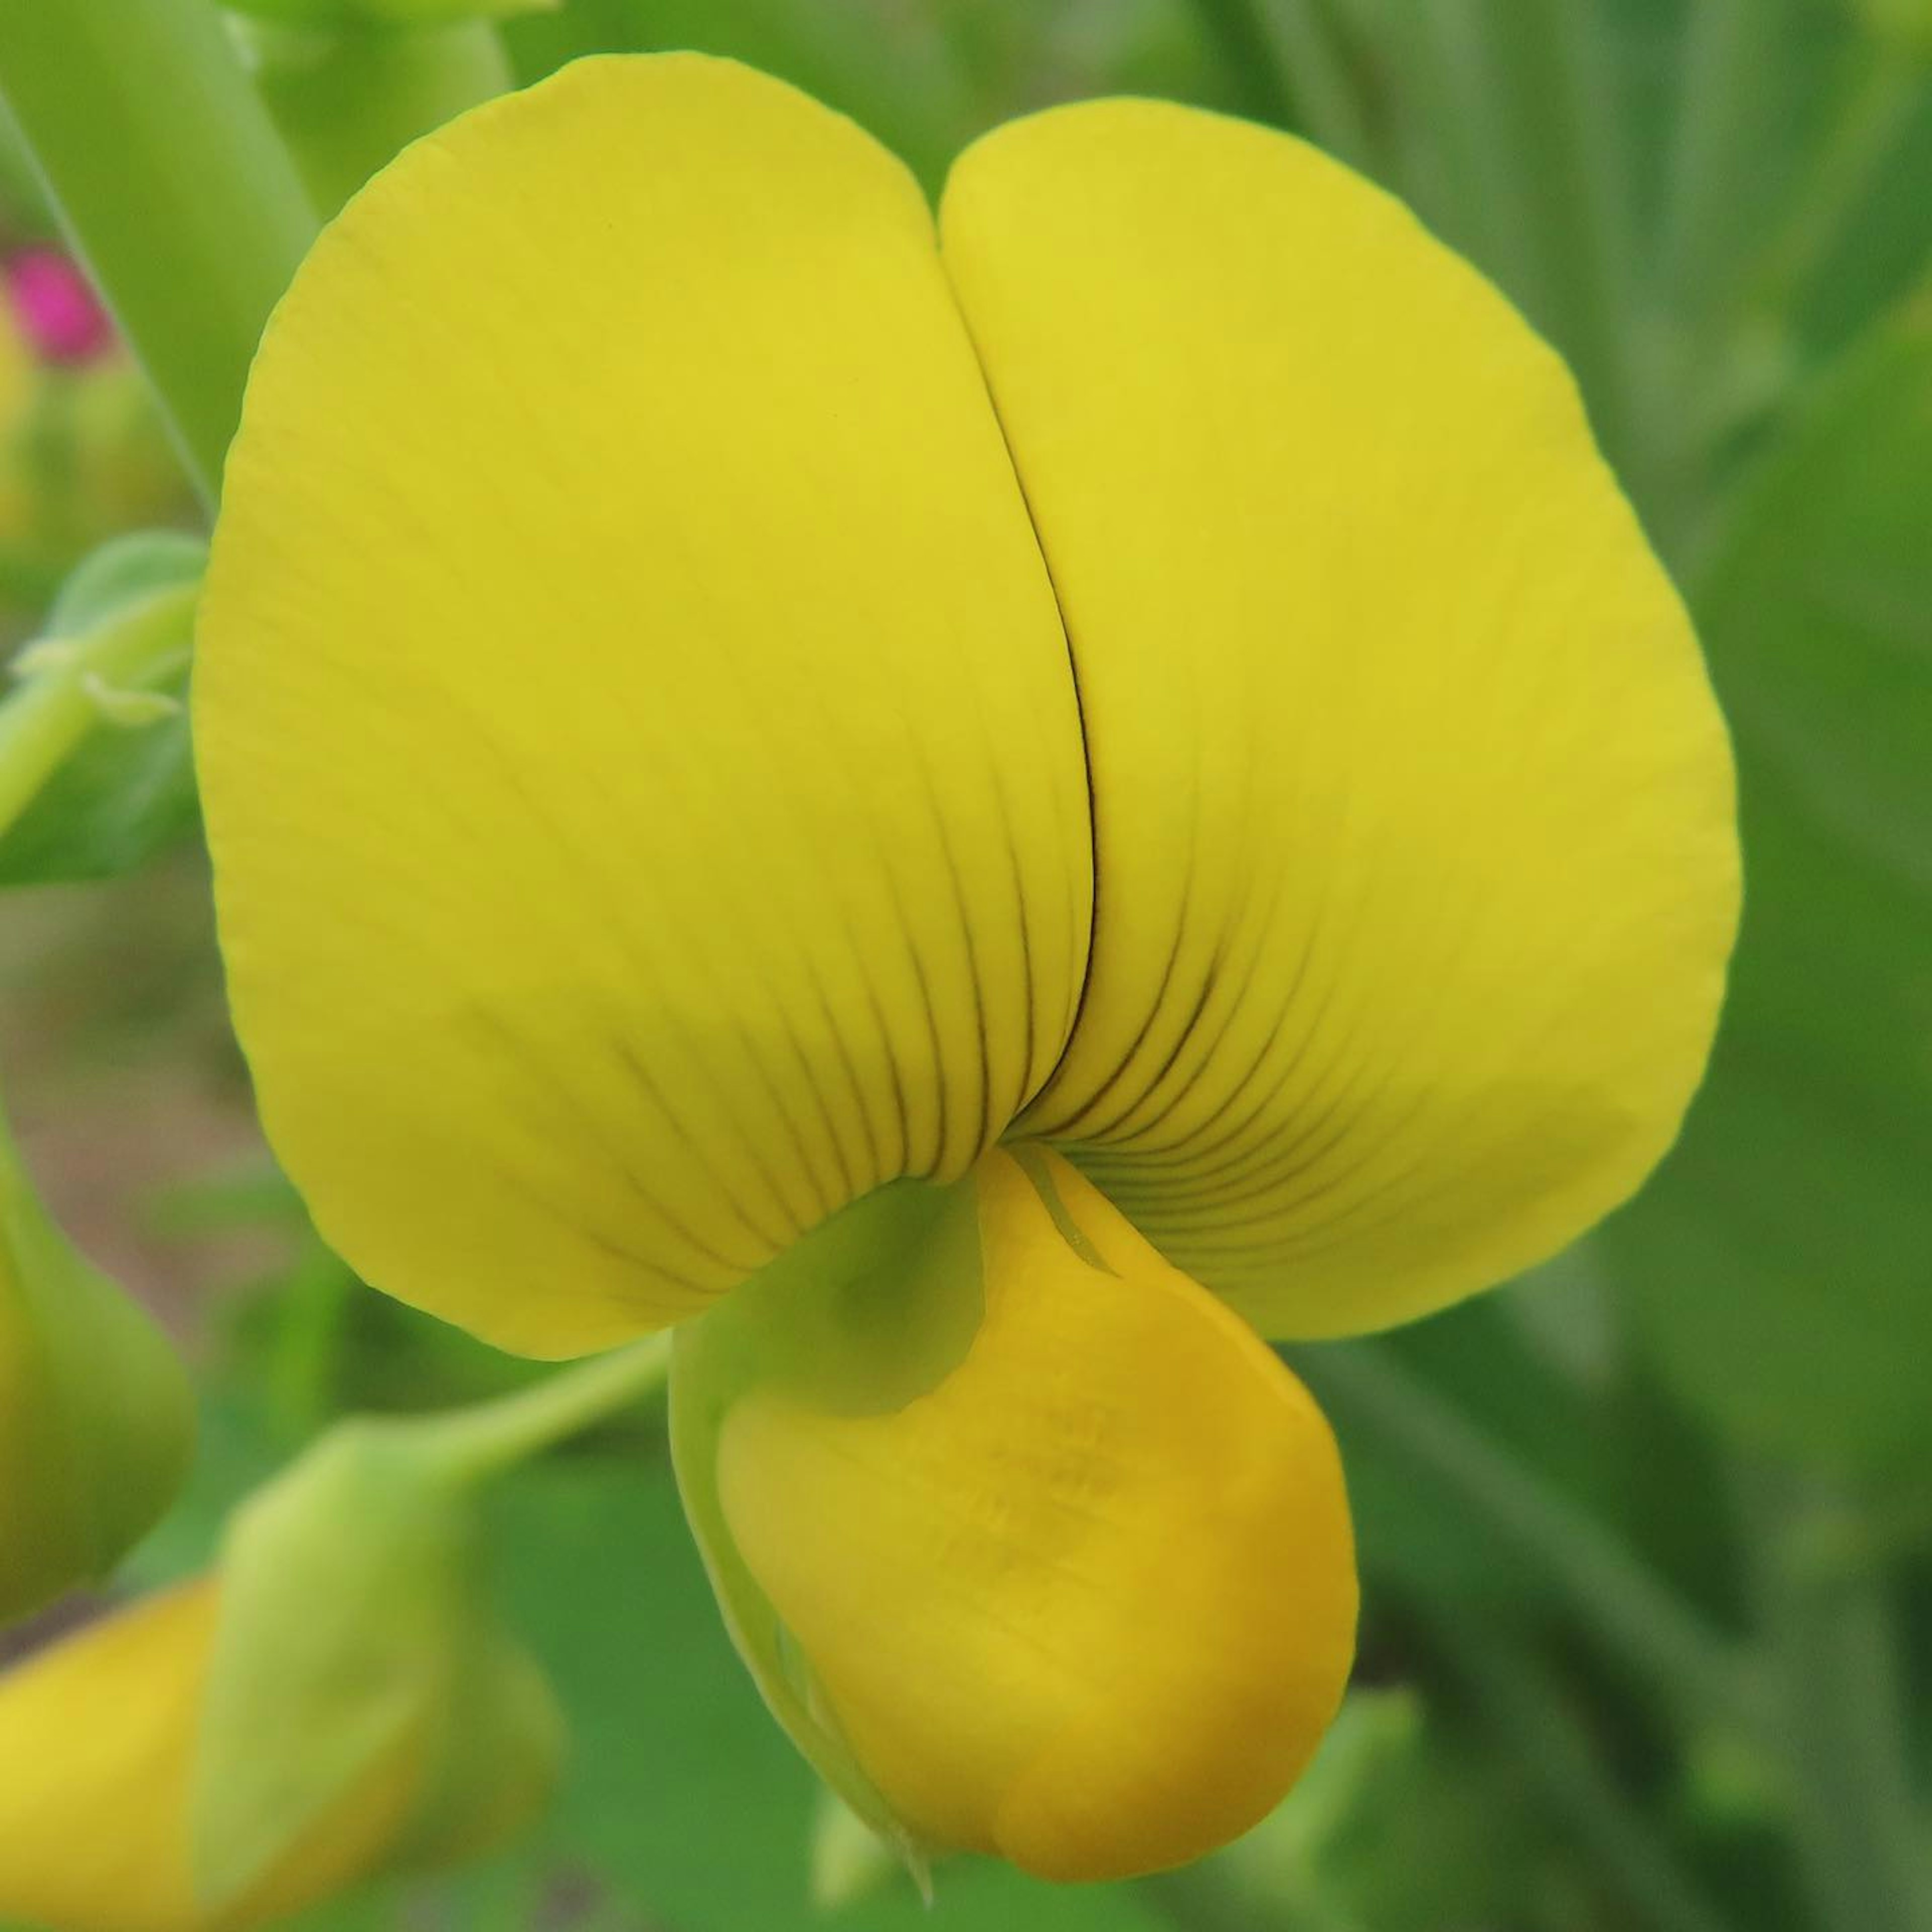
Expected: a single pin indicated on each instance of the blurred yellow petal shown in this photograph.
(1416, 874)
(1088, 1602)
(97, 1738)
(640, 756)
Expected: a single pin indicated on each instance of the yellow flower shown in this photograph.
(997, 814)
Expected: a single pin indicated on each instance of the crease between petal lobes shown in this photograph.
(97, 1741)
(1088, 1601)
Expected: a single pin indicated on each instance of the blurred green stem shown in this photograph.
(349, 99)
(312, 1314)
(67, 691)
(172, 185)
(1283, 58)
(1528, 1707)
(1608, 1589)
(1570, 182)
(1240, 34)
(1878, 100)
(1718, 118)
(1840, 1705)
(492, 1436)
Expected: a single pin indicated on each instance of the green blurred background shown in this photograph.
(1647, 1539)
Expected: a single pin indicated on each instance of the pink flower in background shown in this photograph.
(55, 306)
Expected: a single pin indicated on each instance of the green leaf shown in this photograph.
(348, 99)
(123, 797)
(1783, 1256)
(1389, 1796)
(125, 793)
(1819, 612)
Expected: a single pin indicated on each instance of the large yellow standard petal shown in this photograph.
(1087, 1600)
(1417, 875)
(97, 1742)
(640, 756)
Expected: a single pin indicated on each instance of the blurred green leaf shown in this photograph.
(400, 13)
(124, 796)
(1907, 21)
(1783, 1255)
(1476, 1358)
(1397, 1826)
(125, 793)
(1819, 611)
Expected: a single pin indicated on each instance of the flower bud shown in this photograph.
(356, 1649)
(334, 1703)
(96, 1418)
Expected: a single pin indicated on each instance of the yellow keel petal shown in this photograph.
(1089, 1602)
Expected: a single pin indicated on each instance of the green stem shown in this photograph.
(1607, 1586)
(1524, 1703)
(1840, 1699)
(172, 186)
(492, 1436)
(312, 1312)
(349, 99)
(58, 705)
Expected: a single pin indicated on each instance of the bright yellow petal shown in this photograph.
(96, 1737)
(1417, 875)
(1087, 1603)
(641, 756)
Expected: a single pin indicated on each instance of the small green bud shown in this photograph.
(355, 1653)
(96, 1416)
